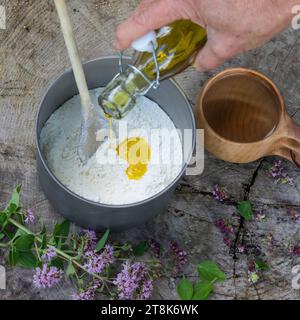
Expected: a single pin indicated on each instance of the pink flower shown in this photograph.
(96, 262)
(29, 217)
(295, 215)
(279, 175)
(180, 257)
(224, 226)
(89, 293)
(133, 282)
(296, 250)
(46, 276)
(219, 194)
(228, 242)
(49, 254)
(91, 240)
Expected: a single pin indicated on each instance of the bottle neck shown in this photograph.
(119, 96)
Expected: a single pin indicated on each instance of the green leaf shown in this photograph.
(245, 210)
(80, 282)
(43, 235)
(15, 198)
(260, 265)
(202, 290)
(3, 218)
(70, 269)
(10, 235)
(140, 249)
(14, 202)
(185, 289)
(13, 257)
(21, 253)
(110, 271)
(80, 250)
(24, 243)
(62, 229)
(19, 233)
(101, 243)
(61, 232)
(44, 241)
(57, 262)
(27, 259)
(209, 270)
(2, 235)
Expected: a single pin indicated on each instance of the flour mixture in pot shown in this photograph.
(113, 182)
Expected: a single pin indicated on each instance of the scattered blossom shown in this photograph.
(295, 215)
(49, 254)
(251, 265)
(228, 242)
(279, 174)
(89, 293)
(224, 226)
(155, 247)
(133, 282)
(219, 194)
(96, 262)
(180, 256)
(29, 217)
(241, 248)
(295, 250)
(91, 240)
(46, 276)
(259, 216)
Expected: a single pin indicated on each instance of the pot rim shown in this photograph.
(98, 204)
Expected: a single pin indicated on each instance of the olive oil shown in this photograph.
(177, 46)
(137, 153)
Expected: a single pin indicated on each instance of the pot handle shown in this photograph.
(289, 144)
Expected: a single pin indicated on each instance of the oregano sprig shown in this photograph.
(95, 265)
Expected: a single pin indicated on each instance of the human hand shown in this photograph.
(233, 26)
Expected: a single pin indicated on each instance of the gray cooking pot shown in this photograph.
(94, 215)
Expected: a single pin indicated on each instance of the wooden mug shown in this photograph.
(244, 118)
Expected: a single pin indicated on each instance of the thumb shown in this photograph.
(148, 16)
(217, 51)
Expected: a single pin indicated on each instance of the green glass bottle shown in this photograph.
(176, 48)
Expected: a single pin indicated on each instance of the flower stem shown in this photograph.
(37, 251)
(58, 251)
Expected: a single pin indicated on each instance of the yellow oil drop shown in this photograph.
(137, 153)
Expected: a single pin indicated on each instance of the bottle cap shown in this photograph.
(143, 44)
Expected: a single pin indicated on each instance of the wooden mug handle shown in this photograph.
(289, 144)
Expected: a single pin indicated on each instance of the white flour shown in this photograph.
(108, 183)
